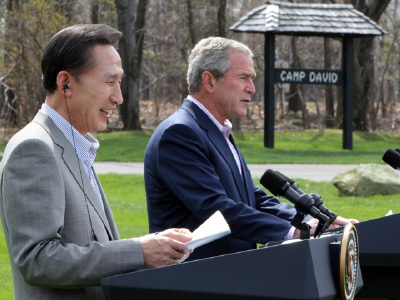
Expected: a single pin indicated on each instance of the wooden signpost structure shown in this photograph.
(326, 20)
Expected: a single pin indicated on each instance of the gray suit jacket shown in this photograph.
(48, 222)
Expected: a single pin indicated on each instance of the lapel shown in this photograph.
(71, 161)
(113, 231)
(246, 178)
(220, 144)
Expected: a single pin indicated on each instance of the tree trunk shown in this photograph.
(294, 101)
(221, 18)
(131, 20)
(122, 7)
(306, 123)
(95, 12)
(190, 21)
(133, 75)
(363, 82)
(329, 98)
(339, 108)
(13, 113)
(140, 31)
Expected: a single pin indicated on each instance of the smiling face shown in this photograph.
(232, 92)
(97, 92)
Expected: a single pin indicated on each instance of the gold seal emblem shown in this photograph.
(349, 262)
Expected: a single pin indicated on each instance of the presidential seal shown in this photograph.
(349, 263)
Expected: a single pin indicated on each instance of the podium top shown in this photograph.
(253, 274)
(380, 241)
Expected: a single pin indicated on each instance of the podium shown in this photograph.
(379, 254)
(297, 269)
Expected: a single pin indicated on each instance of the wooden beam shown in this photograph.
(348, 66)
(269, 95)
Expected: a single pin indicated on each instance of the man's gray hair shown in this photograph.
(211, 54)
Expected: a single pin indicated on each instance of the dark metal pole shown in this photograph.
(348, 57)
(269, 95)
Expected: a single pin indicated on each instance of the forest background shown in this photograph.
(158, 37)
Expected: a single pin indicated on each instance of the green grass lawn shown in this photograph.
(300, 147)
(316, 147)
(127, 199)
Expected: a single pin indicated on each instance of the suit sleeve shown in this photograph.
(271, 205)
(185, 165)
(34, 205)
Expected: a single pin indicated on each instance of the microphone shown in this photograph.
(318, 202)
(280, 187)
(392, 158)
(293, 184)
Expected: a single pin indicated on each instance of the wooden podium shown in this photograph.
(299, 269)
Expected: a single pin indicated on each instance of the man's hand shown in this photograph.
(164, 248)
(339, 221)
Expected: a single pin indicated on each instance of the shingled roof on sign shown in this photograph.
(307, 19)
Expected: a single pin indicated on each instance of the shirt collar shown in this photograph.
(85, 146)
(224, 128)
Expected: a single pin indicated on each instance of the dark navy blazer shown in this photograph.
(190, 173)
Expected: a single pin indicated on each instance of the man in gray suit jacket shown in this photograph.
(60, 232)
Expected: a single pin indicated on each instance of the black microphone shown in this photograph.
(280, 187)
(392, 158)
(318, 202)
(293, 184)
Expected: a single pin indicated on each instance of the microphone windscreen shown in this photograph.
(273, 182)
(392, 158)
(291, 181)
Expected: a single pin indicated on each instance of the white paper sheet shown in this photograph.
(213, 228)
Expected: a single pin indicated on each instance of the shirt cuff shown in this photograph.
(290, 233)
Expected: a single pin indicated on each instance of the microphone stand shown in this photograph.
(322, 227)
(306, 205)
(304, 228)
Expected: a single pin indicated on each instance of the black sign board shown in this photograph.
(308, 76)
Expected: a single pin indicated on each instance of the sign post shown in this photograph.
(308, 76)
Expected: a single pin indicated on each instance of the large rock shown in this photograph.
(367, 180)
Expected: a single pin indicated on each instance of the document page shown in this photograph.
(213, 228)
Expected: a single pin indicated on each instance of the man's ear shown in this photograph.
(63, 82)
(209, 81)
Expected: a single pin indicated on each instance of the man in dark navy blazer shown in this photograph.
(193, 167)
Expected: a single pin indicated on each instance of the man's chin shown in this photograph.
(102, 127)
(242, 113)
